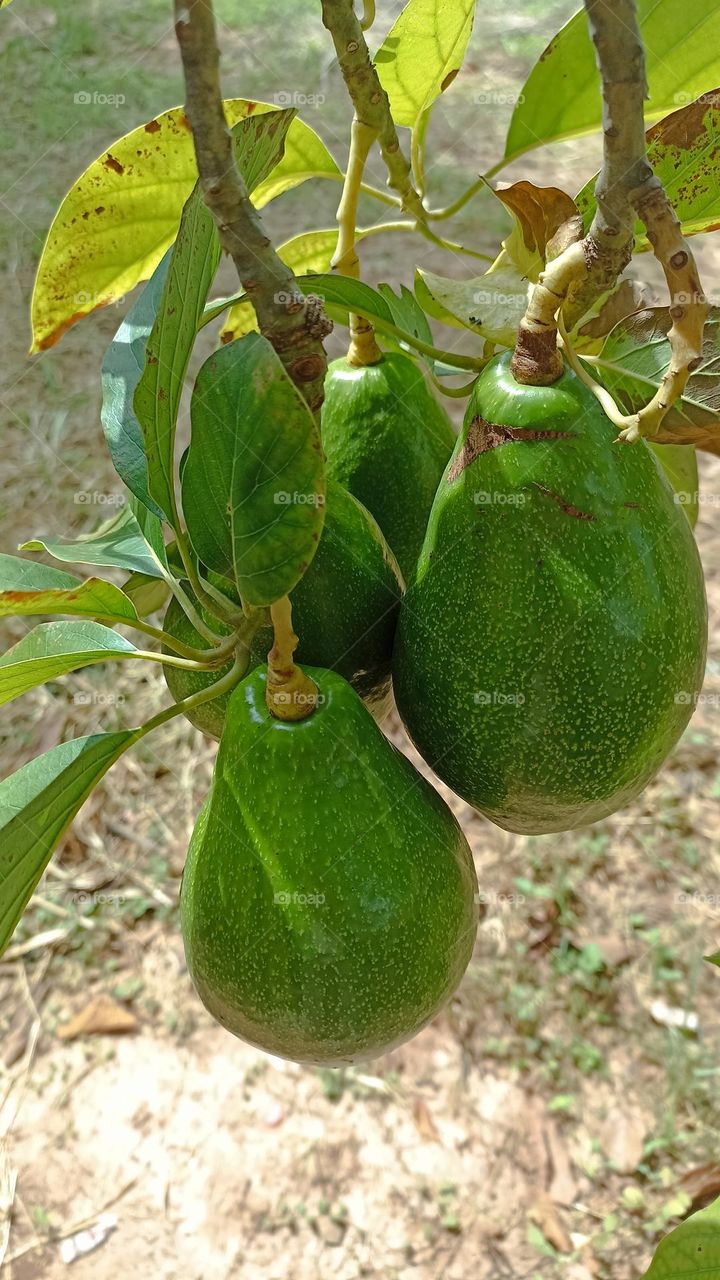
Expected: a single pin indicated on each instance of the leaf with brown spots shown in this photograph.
(422, 54)
(141, 184)
(633, 360)
(684, 150)
(29, 588)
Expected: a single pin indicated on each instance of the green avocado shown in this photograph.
(344, 611)
(328, 903)
(387, 440)
(551, 650)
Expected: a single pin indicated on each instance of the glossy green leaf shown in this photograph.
(54, 648)
(28, 587)
(561, 97)
(259, 143)
(422, 53)
(684, 150)
(492, 305)
(633, 359)
(122, 367)
(253, 485)
(36, 806)
(691, 1251)
(679, 462)
(118, 544)
(125, 210)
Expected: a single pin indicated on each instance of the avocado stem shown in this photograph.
(363, 348)
(290, 694)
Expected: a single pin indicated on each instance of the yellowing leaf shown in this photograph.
(119, 218)
(422, 54)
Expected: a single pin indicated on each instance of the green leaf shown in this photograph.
(259, 143)
(492, 305)
(122, 367)
(117, 544)
(27, 587)
(253, 485)
(561, 97)
(679, 462)
(148, 595)
(714, 959)
(54, 648)
(36, 806)
(691, 1251)
(125, 208)
(684, 151)
(634, 358)
(422, 54)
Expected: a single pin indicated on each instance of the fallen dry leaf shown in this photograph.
(623, 1136)
(423, 1121)
(562, 1188)
(701, 1184)
(547, 1218)
(101, 1017)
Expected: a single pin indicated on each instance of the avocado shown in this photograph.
(551, 649)
(328, 903)
(387, 440)
(344, 612)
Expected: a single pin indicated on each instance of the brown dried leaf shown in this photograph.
(541, 212)
(423, 1121)
(102, 1016)
(702, 1184)
(547, 1218)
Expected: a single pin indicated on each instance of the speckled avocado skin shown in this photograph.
(328, 902)
(550, 652)
(344, 611)
(387, 440)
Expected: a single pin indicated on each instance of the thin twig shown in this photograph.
(626, 188)
(370, 100)
(295, 325)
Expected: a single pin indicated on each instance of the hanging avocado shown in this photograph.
(387, 440)
(328, 903)
(551, 650)
(344, 610)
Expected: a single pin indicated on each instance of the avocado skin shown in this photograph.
(549, 654)
(382, 924)
(387, 440)
(344, 611)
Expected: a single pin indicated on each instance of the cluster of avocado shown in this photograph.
(546, 655)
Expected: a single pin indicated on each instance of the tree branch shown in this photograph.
(626, 188)
(293, 324)
(371, 103)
